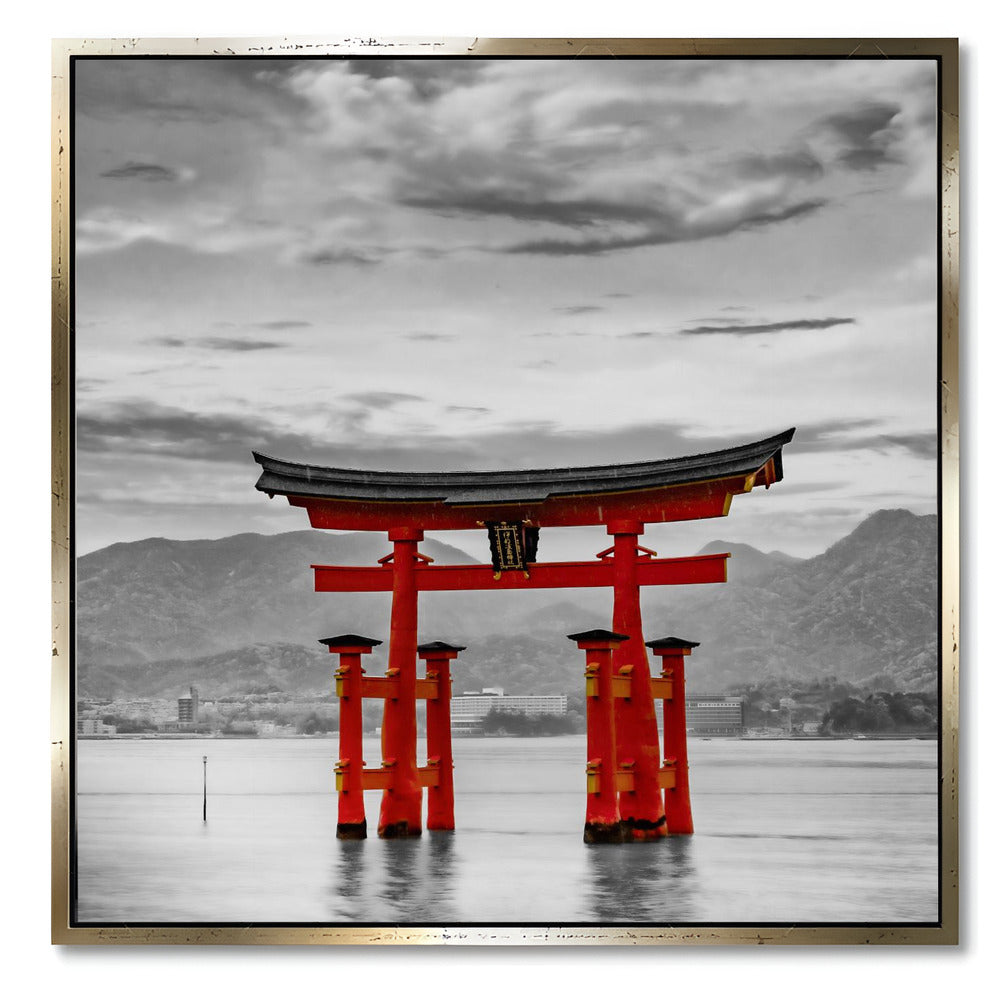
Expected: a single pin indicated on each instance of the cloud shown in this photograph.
(140, 428)
(794, 488)
(150, 172)
(380, 400)
(866, 134)
(469, 409)
(568, 161)
(111, 229)
(542, 146)
(857, 435)
(769, 217)
(829, 436)
(748, 329)
(921, 445)
(577, 310)
(670, 228)
(799, 163)
(90, 384)
(338, 255)
(429, 337)
(129, 431)
(525, 208)
(238, 346)
(427, 78)
(218, 343)
(208, 92)
(282, 324)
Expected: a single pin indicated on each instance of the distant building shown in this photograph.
(187, 708)
(94, 727)
(714, 715)
(469, 709)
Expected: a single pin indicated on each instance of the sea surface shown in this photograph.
(786, 831)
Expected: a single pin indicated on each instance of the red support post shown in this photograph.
(676, 799)
(402, 803)
(351, 822)
(603, 822)
(641, 809)
(440, 797)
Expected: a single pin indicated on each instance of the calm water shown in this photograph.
(785, 832)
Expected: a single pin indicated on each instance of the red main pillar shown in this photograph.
(402, 804)
(676, 800)
(351, 822)
(603, 822)
(440, 797)
(635, 717)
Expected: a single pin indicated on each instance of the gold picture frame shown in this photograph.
(64, 931)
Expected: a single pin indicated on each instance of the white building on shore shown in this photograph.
(470, 708)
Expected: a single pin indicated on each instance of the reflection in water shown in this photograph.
(387, 881)
(404, 882)
(347, 891)
(651, 882)
(440, 874)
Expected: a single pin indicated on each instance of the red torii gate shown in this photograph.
(649, 800)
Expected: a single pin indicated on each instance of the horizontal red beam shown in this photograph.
(649, 572)
(690, 501)
(666, 777)
(372, 778)
(388, 687)
(663, 687)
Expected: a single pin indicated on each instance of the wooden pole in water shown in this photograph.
(204, 790)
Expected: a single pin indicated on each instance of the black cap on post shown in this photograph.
(672, 642)
(439, 647)
(349, 641)
(597, 635)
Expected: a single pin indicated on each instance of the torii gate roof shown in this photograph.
(660, 490)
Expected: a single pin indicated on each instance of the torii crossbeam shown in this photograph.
(513, 506)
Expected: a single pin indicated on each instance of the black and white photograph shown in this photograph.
(506, 490)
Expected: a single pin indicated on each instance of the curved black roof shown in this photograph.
(519, 485)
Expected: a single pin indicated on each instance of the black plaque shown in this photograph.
(512, 544)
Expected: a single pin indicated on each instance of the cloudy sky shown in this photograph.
(473, 264)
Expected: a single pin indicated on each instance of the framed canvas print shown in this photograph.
(505, 491)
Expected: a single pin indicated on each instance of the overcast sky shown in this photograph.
(462, 264)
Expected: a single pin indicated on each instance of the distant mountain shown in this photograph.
(239, 612)
(160, 599)
(259, 668)
(864, 611)
(747, 563)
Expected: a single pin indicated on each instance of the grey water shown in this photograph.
(785, 832)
